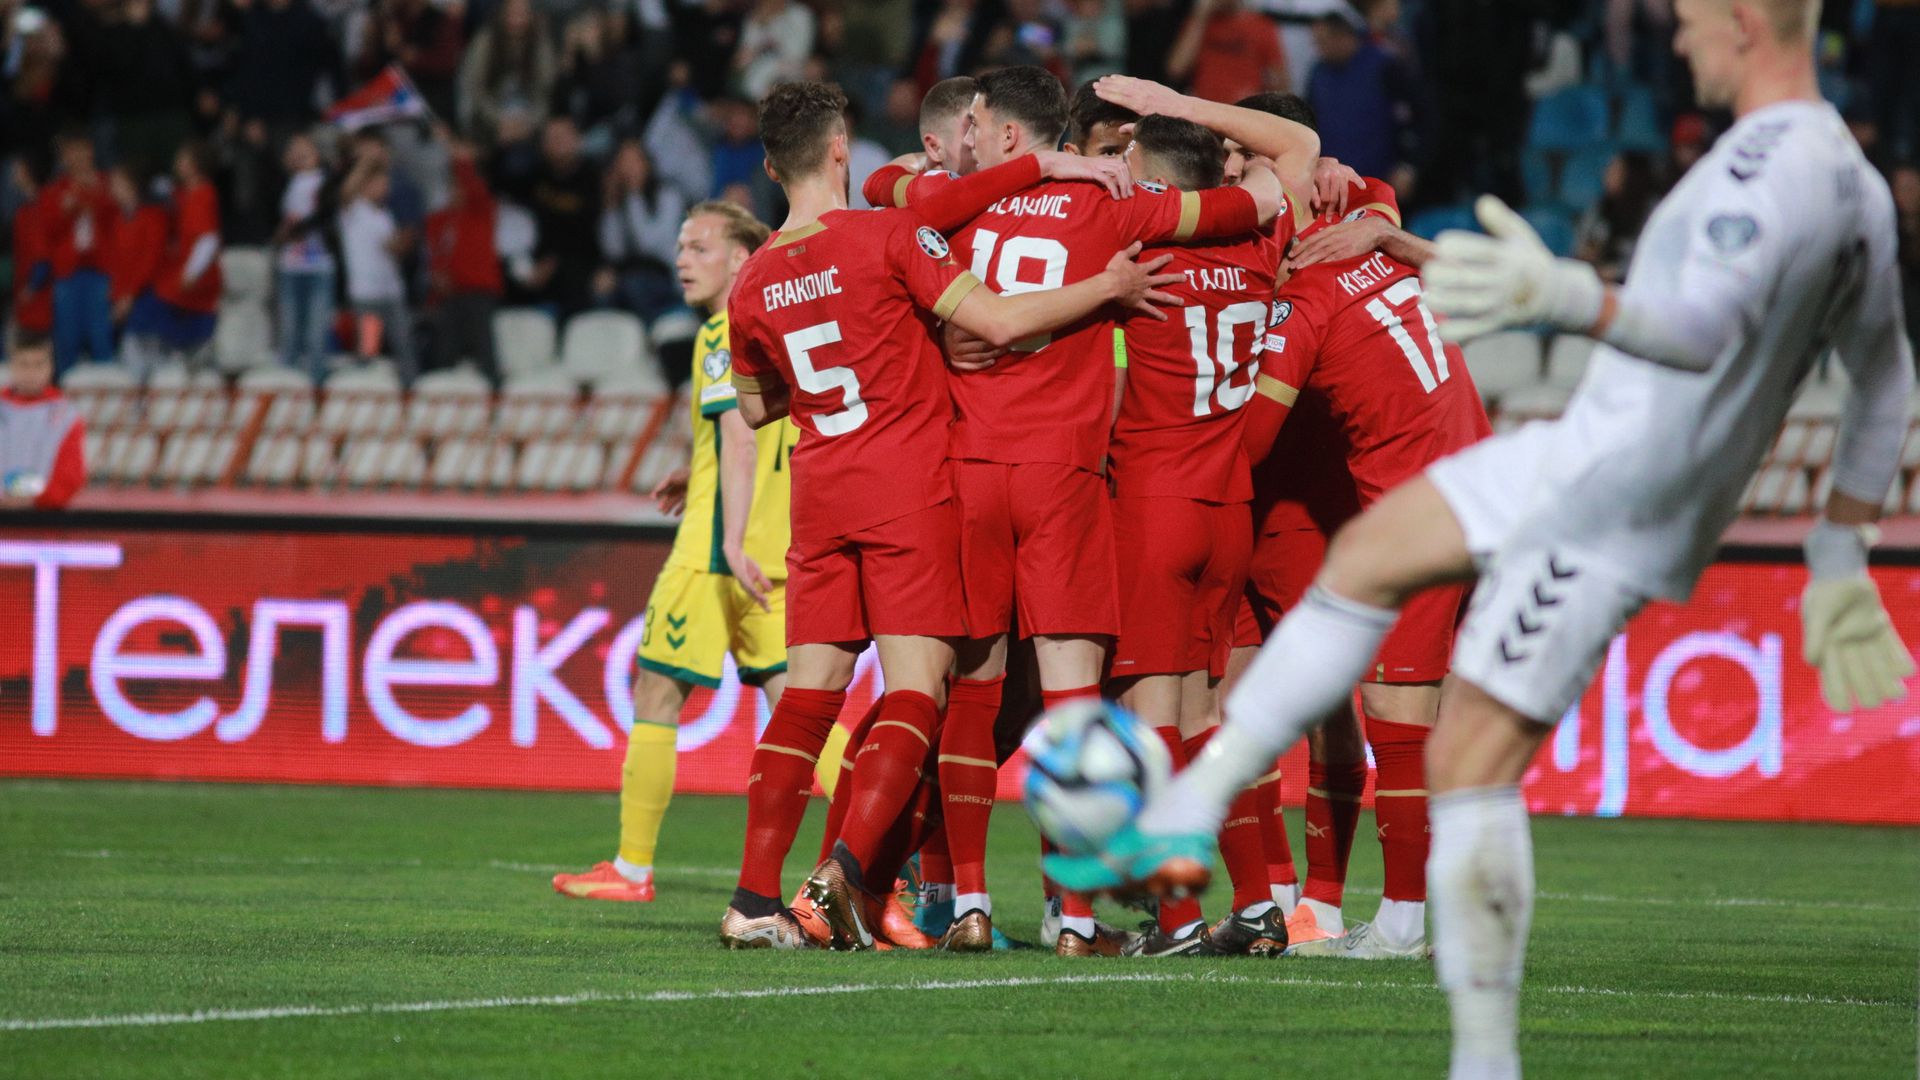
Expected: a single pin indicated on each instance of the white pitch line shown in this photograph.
(673, 870)
(289, 1012)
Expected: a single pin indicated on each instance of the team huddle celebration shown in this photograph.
(1130, 428)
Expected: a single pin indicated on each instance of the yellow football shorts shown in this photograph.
(695, 618)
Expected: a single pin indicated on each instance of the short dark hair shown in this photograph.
(947, 98)
(1193, 157)
(1088, 110)
(1030, 96)
(1285, 106)
(24, 339)
(201, 155)
(796, 120)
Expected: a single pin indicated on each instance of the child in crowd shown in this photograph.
(133, 267)
(305, 263)
(376, 291)
(79, 222)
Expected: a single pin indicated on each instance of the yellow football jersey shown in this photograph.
(769, 527)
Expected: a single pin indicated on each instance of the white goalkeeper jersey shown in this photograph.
(1785, 229)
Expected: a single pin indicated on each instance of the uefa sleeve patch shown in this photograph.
(931, 242)
(1154, 186)
(1732, 233)
(717, 363)
(1281, 309)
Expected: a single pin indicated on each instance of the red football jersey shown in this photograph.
(196, 214)
(843, 312)
(1187, 376)
(1052, 401)
(1356, 335)
(1376, 199)
(80, 226)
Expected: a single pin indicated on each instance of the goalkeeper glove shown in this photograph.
(1507, 278)
(1847, 634)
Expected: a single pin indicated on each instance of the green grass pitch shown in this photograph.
(323, 932)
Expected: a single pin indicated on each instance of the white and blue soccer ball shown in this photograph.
(1092, 765)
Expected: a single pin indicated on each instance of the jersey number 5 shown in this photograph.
(1407, 291)
(1206, 379)
(825, 380)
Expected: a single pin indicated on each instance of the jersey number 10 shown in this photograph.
(1211, 385)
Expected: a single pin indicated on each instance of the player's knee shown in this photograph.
(1479, 742)
(658, 698)
(1362, 564)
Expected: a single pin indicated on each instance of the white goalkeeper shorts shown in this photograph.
(1543, 612)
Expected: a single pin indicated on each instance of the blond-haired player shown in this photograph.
(724, 586)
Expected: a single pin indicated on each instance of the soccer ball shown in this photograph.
(1092, 766)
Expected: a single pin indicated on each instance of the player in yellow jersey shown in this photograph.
(724, 586)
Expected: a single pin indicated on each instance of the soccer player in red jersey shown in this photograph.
(1352, 344)
(1182, 528)
(833, 323)
(1031, 439)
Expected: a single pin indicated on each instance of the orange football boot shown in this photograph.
(896, 926)
(812, 923)
(603, 882)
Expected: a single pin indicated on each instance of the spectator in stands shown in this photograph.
(463, 268)
(42, 438)
(304, 261)
(188, 288)
(45, 91)
(736, 154)
(1906, 204)
(1365, 101)
(952, 43)
(864, 156)
(32, 269)
(376, 292)
(1025, 35)
(285, 50)
(1226, 52)
(674, 140)
(80, 218)
(508, 72)
(603, 77)
(1609, 228)
(425, 38)
(140, 245)
(1093, 38)
(775, 40)
(639, 232)
(247, 175)
(146, 83)
(564, 195)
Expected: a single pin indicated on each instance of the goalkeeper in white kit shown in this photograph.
(1777, 247)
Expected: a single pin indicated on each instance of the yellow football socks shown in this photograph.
(827, 770)
(646, 787)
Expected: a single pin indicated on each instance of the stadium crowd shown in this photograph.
(559, 142)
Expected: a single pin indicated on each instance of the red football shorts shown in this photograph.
(897, 577)
(1040, 536)
(1284, 565)
(1183, 566)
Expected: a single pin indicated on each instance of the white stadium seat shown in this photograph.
(537, 403)
(360, 401)
(275, 460)
(243, 338)
(319, 460)
(1503, 362)
(523, 339)
(246, 273)
(105, 394)
(472, 463)
(453, 402)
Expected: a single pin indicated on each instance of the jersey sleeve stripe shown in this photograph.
(1380, 208)
(719, 405)
(900, 189)
(747, 384)
(1302, 213)
(956, 291)
(1270, 387)
(1189, 215)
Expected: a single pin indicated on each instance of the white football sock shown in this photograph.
(1254, 911)
(1480, 880)
(1079, 924)
(1308, 667)
(972, 901)
(633, 872)
(1288, 897)
(1401, 922)
(1326, 916)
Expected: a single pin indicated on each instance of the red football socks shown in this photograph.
(887, 770)
(1273, 831)
(781, 781)
(1242, 848)
(1175, 914)
(968, 776)
(1333, 813)
(843, 791)
(1400, 805)
(936, 863)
